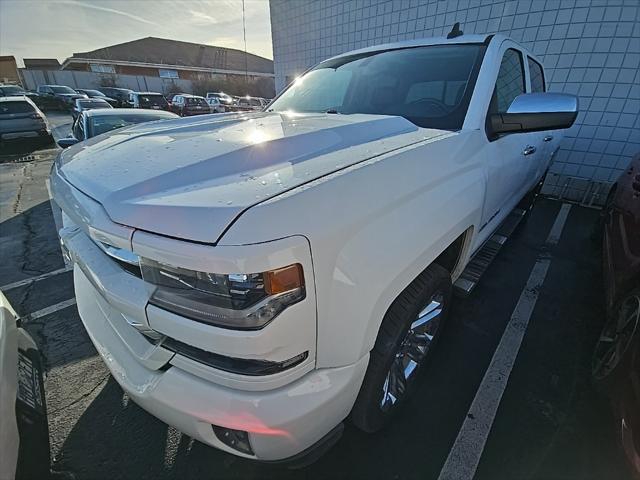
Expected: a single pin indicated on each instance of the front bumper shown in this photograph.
(281, 422)
(284, 413)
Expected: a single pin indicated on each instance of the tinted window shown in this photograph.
(78, 128)
(152, 101)
(430, 86)
(510, 82)
(59, 89)
(94, 93)
(537, 77)
(11, 90)
(7, 108)
(86, 104)
(196, 101)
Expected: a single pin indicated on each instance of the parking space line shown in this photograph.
(464, 456)
(49, 310)
(27, 281)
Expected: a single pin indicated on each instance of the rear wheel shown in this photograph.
(612, 352)
(409, 331)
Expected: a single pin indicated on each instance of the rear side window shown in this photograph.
(510, 82)
(7, 108)
(536, 74)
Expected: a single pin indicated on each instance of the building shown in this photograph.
(590, 48)
(41, 63)
(8, 69)
(171, 59)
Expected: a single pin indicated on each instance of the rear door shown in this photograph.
(545, 142)
(507, 158)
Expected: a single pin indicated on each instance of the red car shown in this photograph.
(616, 361)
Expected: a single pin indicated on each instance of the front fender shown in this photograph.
(373, 228)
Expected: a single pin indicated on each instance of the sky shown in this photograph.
(58, 28)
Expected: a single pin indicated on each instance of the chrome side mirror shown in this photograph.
(534, 112)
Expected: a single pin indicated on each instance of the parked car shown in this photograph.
(83, 104)
(11, 90)
(90, 123)
(20, 118)
(215, 105)
(222, 97)
(59, 97)
(287, 269)
(98, 95)
(188, 105)
(121, 95)
(250, 104)
(616, 360)
(150, 100)
(24, 437)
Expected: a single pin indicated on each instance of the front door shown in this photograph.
(508, 156)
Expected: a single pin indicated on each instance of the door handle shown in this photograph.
(548, 138)
(528, 150)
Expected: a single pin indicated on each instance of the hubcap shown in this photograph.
(616, 337)
(412, 351)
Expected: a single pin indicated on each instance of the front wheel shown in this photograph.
(408, 334)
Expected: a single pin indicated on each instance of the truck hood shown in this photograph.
(190, 178)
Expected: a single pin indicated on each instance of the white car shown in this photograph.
(216, 105)
(261, 276)
(24, 431)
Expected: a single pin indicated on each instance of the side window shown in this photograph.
(78, 128)
(536, 74)
(510, 82)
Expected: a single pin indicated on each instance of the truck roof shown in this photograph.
(420, 42)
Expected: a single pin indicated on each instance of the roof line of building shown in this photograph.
(163, 66)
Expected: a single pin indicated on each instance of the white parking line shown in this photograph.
(463, 459)
(49, 310)
(27, 281)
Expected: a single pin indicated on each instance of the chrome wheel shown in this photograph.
(412, 351)
(616, 337)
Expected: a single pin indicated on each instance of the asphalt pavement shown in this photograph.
(550, 423)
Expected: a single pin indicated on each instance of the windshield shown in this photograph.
(62, 89)
(106, 123)
(11, 90)
(152, 101)
(94, 93)
(429, 86)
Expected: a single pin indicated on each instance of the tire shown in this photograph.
(612, 355)
(381, 395)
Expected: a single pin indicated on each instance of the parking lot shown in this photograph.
(550, 423)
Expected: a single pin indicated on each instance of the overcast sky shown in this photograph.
(58, 28)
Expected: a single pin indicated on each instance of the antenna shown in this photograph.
(246, 61)
(455, 31)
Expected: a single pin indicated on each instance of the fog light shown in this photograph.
(236, 439)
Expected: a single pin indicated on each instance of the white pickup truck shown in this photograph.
(254, 279)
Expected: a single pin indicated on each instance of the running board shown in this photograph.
(480, 262)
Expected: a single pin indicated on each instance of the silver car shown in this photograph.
(20, 118)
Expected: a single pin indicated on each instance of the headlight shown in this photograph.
(238, 301)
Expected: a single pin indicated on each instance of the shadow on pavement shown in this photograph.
(23, 148)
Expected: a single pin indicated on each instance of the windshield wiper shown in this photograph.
(333, 111)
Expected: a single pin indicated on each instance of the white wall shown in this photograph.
(590, 48)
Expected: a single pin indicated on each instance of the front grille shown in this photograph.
(128, 260)
(129, 268)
